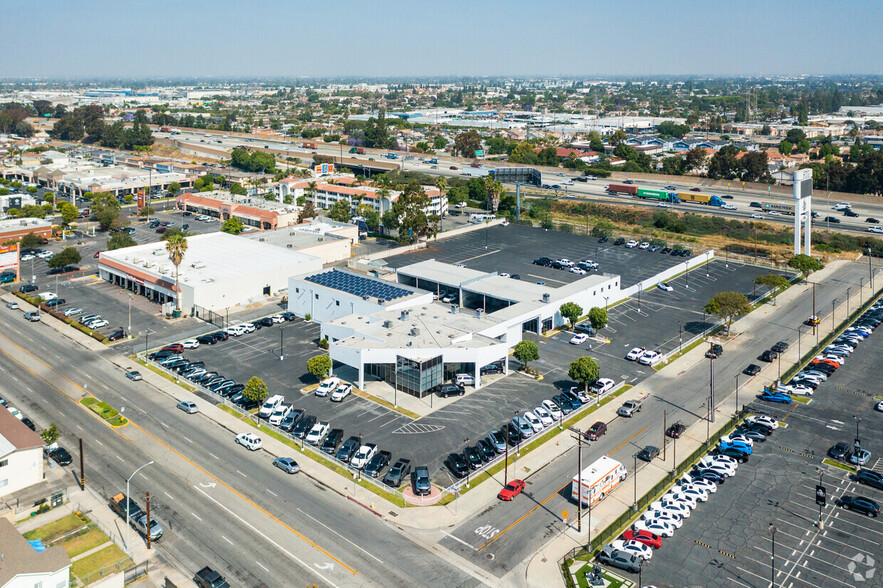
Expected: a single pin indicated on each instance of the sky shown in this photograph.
(86, 39)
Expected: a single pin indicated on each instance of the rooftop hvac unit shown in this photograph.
(136, 260)
(149, 264)
(404, 315)
(387, 324)
(479, 312)
(546, 297)
(414, 332)
(197, 265)
(453, 309)
(159, 251)
(163, 270)
(261, 239)
(290, 246)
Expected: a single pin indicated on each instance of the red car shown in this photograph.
(97, 253)
(174, 348)
(453, 167)
(645, 537)
(695, 190)
(833, 364)
(511, 490)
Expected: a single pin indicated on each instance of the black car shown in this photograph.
(665, 250)
(872, 220)
(457, 465)
(676, 430)
(832, 219)
(487, 450)
(739, 456)
(117, 335)
(396, 474)
(768, 356)
(332, 441)
(850, 213)
(715, 351)
(759, 427)
(562, 403)
(752, 369)
(209, 578)
(377, 463)
(866, 506)
(779, 347)
(55, 302)
(60, 456)
(544, 261)
(839, 451)
(420, 483)
(234, 389)
(619, 241)
(451, 390)
(710, 475)
(754, 205)
(648, 453)
(303, 426)
(206, 340)
(265, 322)
(869, 477)
(220, 336)
(288, 316)
(28, 288)
(291, 419)
(603, 240)
(348, 449)
(29, 424)
(513, 432)
(246, 404)
(491, 368)
(473, 457)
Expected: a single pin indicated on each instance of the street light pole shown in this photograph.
(737, 393)
(130, 312)
(870, 271)
(636, 481)
(128, 505)
(833, 307)
(281, 344)
(858, 441)
(772, 531)
(466, 443)
(847, 302)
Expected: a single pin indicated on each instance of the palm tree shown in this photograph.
(176, 246)
(494, 191)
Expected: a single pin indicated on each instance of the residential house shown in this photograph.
(23, 565)
(21, 456)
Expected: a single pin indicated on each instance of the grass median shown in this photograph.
(110, 415)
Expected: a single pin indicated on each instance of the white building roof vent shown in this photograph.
(414, 332)
(387, 324)
(546, 297)
(159, 251)
(197, 265)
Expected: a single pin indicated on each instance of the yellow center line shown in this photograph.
(618, 447)
(503, 532)
(197, 466)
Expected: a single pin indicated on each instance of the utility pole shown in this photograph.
(506, 458)
(664, 414)
(82, 471)
(711, 384)
(147, 500)
(636, 481)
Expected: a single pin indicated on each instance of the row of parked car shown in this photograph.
(171, 358)
(574, 267)
(667, 514)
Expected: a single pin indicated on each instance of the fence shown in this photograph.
(107, 570)
(135, 572)
(210, 316)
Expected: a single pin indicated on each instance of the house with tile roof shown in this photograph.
(21, 455)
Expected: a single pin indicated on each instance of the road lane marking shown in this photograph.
(524, 516)
(169, 495)
(273, 493)
(262, 565)
(80, 428)
(196, 515)
(227, 540)
(341, 536)
(618, 447)
(99, 442)
(186, 439)
(120, 458)
(279, 547)
(213, 455)
(455, 538)
(241, 474)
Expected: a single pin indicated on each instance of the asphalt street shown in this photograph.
(216, 496)
(511, 532)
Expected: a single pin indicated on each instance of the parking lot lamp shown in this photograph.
(636, 480)
(847, 302)
(129, 498)
(833, 306)
(737, 393)
(606, 298)
(506, 459)
(687, 274)
(131, 296)
(466, 443)
(772, 531)
(680, 336)
(707, 260)
(870, 270)
(858, 440)
(281, 344)
(518, 439)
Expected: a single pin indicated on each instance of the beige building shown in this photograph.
(21, 456)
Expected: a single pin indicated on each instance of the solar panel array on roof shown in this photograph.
(358, 285)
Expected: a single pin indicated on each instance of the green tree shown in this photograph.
(48, 197)
(604, 228)
(106, 208)
(31, 211)
(307, 212)
(51, 434)
(694, 159)
(571, 311)
(595, 142)
(795, 136)
(617, 138)
(803, 146)
(439, 142)
(467, 143)
(69, 212)
(233, 226)
(238, 189)
(408, 214)
(319, 366)
(805, 264)
(65, 257)
(774, 282)
(174, 188)
(176, 246)
(68, 128)
(31, 240)
(598, 318)
(728, 305)
(524, 153)
(119, 240)
(341, 211)
(526, 352)
(785, 148)
(255, 390)
(584, 370)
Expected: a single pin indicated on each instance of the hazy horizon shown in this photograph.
(98, 39)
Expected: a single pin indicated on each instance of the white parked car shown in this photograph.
(327, 386)
(248, 327)
(674, 495)
(650, 358)
(695, 491)
(553, 409)
(795, 389)
(280, 413)
(545, 416)
(190, 344)
(679, 508)
(363, 456)
(73, 311)
(270, 405)
(665, 286)
(645, 552)
(249, 441)
(660, 528)
(341, 392)
(97, 324)
(565, 262)
(740, 438)
(709, 462)
(235, 330)
(706, 485)
(318, 432)
(635, 354)
(577, 270)
(579, 339)
(603, 386)
(277, 319)
(534, 421)
(669, 517)
(764, 420)
(631, 244)
(644, 245)
(47, 296)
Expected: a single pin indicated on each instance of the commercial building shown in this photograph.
(23, 565)
(219, 271)
(325, 194)
(14, 229)
(21, 456)
(75, 179)
(328, 240)
(251, 210)
(395, 332)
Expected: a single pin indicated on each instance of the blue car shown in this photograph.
(771, 396)
(736, 445)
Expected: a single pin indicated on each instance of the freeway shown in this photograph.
(592, 190)
(222, 505)
(505, 534)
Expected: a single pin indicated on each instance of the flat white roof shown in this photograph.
(17, 224)
(210, 257)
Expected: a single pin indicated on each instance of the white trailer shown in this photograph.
(598, 480)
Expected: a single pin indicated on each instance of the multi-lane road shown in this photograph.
(220, 504)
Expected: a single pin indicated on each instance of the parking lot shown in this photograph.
(513, 248)
(728, 541)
